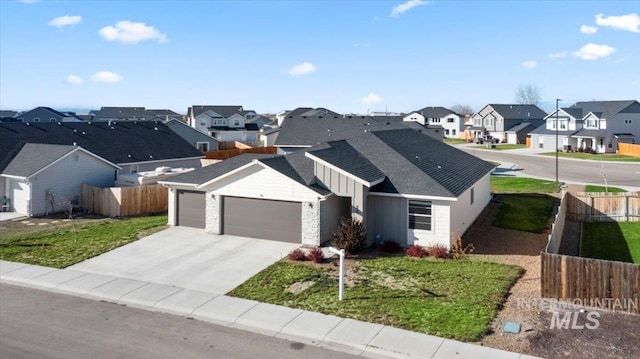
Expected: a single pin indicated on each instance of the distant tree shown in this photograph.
(528, 95)
(462, 110)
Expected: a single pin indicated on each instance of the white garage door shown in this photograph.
(19, 193)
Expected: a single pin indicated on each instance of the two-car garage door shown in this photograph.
(245, 217)
(259, 218)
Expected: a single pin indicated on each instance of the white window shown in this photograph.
(591, 123)
(36, 119)
(236, 123)
(453, 132)
(52, 120)
(450, 120)
(446, 132)
(134, 169)
(202, 123)
(420, 215)
(203, 146)
(472, 195)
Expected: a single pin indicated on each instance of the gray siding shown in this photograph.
(344, 186)
(387, 217)
(192, 135)
(331, 211)
(64, 179)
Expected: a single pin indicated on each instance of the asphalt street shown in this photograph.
(618, 174)
(39, 324)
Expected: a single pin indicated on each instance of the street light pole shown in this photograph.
(557, 125)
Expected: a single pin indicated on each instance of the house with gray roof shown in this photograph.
(494, 120)
(46, 114)
(225, 123)
(40, 177)
(92, 149)
(452, 123)
(405, 186)
(132, 114)
(199, 140)
(593, 126)
(299, 132)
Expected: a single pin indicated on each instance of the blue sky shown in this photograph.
(349, 56)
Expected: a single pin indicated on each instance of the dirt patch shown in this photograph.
(616, 337)
(27, 225)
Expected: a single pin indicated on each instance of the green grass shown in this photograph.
(455, 141)
(528, 213)
(426, 296)
(601, 189)
(62, 247)
(503, 147)
(522, 185)
(616, 241)
(595, 157)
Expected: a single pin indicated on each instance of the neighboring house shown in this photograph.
(46, 114)
(451, 122)
(591, 125)
(305, 112)
(199, 140)
(226, 123)
(495, 120)
(132, 114)
(8, 114)
(41, 177)
(132, 147)
(303, 132)
(404, 185)
(268, 136)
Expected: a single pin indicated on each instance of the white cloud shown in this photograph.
(128, 32)
(74, 80)
(301, 69)
(530, 64)
(404, 7)
(558, 55)
(629, 22)
(593, 51)
(66, 20)
(370, 99)
(586, 29)
(106, 77)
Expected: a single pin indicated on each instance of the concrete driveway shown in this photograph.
(189, 258)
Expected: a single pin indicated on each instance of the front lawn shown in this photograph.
(421, 295)
(502, 147)
(528, 213)
(602, 189)
(501, 184)
(65, 246)
(455, 141)
(595, 157)
(616, 241)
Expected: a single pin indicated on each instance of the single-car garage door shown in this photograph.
(190, 209)
(260, 218)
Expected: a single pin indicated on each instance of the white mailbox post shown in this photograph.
(340, 252)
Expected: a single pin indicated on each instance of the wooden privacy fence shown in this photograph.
(225, 154)
(591, 282)
(628, 149)
(125, 201)
(603, 207)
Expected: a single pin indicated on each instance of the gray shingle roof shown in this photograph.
(519, 112)
(33, 157)
(121, 112)
(225, 111)
(435, 112)
(342, 155)
(591, 133)
(206, 174)
(607, 109)
(122, 142)
(521, 126)
(320, 111)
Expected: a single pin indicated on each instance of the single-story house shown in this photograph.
(35, 157)
(404, 185)
(40, 177)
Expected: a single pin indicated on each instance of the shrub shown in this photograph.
(350, 235)
(390, 247)
(458, 250)
(438, 251)
(297, 255)
(417, 251)
(315, 255)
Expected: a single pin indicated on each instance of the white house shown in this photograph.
(225, 123)
(451, 122)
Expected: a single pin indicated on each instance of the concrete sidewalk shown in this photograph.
(345, 335)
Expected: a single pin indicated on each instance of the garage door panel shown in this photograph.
(267, 219)
(191, 209)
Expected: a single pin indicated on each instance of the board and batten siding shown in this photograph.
(260, 182)
(344, 186)
(65, 178)
(463, 213)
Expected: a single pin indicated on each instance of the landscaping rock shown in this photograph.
(299, 287)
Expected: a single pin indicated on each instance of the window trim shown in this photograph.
(424, 204)
(198, 143)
